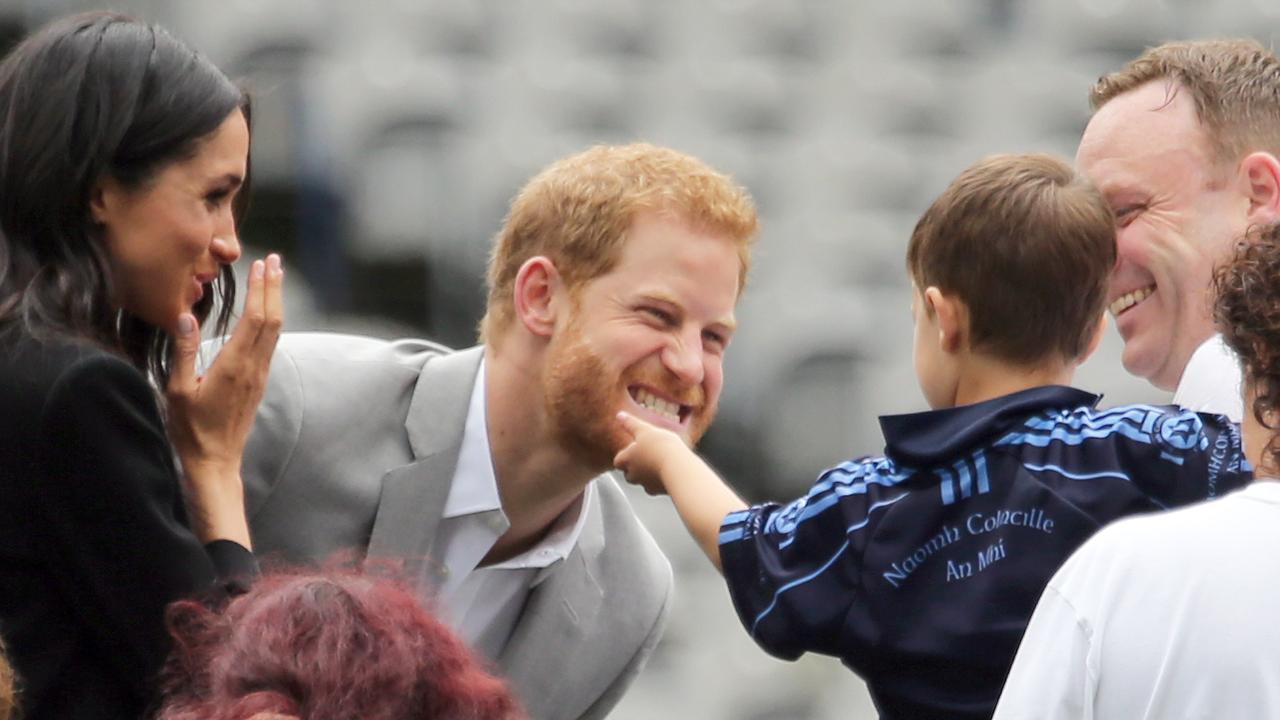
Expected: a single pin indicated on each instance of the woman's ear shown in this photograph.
(102, 199)
(952, 317)
(538, 290)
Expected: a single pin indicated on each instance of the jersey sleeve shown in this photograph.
(1191, 457)
(794, 570)
(116, 527)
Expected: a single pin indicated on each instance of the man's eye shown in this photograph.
(1126, 214)
(660, 315)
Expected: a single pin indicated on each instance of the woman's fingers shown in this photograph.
(182, 376)
(255, 335)
(272, 307)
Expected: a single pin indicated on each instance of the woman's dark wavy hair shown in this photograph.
(88, 97)
(327, 645)
(1247, 312)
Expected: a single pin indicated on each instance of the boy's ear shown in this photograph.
(952, 318)
(538, 289)
(1260, 180)
(1098, 331)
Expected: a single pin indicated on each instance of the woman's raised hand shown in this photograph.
(210, 415)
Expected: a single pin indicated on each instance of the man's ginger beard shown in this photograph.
(583, 396)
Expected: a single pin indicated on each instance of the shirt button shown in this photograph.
(442, 570)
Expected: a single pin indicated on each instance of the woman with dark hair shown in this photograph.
(123, 163)
(329, 646)
(1172, 615)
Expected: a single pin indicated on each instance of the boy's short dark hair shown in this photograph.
(1027, 245)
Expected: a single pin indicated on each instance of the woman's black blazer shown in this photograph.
(93, 534)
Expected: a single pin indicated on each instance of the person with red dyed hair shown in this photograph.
(334, 645)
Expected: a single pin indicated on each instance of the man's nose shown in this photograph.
(683, 358)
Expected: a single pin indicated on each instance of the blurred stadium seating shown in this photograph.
(390, 136)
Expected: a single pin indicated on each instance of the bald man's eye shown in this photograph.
(1126, 214)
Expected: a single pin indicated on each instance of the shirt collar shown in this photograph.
(926, 438)
(558, 542)
(475, 487)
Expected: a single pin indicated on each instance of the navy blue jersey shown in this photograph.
(921, 569)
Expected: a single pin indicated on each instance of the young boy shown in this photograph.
(921, 567)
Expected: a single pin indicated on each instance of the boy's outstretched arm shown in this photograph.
(659, 461)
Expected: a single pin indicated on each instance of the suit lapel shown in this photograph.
(538, 658)
(413, 495)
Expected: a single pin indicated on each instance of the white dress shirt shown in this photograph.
(483, 603)
(1211, 381)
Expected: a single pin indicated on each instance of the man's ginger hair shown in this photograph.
(1234, 84)
(577, 212)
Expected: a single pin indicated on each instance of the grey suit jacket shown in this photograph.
(354, 449)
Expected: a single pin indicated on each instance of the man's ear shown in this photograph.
(538, 295)
(952, 317)
(1260, 181)
(1095, 340)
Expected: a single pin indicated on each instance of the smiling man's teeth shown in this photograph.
(1128, 300)
(648, 400)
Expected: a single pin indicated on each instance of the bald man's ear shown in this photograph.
(539, 292)
(1260, 180)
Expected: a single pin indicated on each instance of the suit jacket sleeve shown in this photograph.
(112, 505)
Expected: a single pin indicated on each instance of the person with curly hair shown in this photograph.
(324, 646)
(1172, 614)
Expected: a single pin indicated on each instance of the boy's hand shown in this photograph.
(650, 450)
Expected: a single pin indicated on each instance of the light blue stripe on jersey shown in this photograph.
(1070, 436)
(1088, 476)
(854, 527)
(980, 465)
(1142, 416)
(737, 517)
(847, 473)
(948, 487)
(966, 481)
(1075, 476)
(843, 547)
(817, 505)
(1132, 423)
(796, 583)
